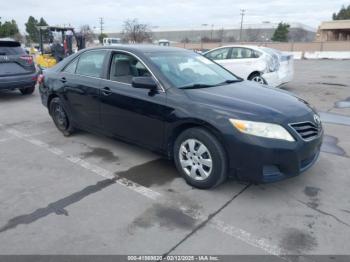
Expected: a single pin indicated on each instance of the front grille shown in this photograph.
(307, 130)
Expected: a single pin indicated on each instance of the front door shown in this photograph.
(131, 113)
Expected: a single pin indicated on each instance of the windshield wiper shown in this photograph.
(230, 82)
(194, 86)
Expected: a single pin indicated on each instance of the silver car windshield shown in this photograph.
(186, 70)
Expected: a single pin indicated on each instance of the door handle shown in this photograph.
(63, 79)
(106, 91)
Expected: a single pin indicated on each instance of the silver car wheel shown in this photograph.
(259, 79)
(195, 159)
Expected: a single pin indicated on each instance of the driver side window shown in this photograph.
(124, 67)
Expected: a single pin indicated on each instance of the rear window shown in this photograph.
(11, 48)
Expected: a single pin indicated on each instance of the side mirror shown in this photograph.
(145, 82)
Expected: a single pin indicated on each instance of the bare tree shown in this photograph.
(88, 33)
(135, 32)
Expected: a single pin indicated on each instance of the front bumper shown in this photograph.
(261, 160)
(18, 81)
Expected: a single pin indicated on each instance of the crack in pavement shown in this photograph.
(324, 213)
(206, 221)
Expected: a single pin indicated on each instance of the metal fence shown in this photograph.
(291, 47)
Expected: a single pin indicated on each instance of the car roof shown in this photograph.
(142, 48)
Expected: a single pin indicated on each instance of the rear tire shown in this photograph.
(27, 91)
(256, 77)
(200, 158)
(60, 117)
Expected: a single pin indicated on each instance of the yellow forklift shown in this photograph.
(57, 50)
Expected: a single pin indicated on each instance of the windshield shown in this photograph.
(190, 69)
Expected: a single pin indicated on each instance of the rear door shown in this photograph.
(14, 60)
(243, 61)
(81, 84)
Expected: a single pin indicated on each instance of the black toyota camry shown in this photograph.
(180, 104)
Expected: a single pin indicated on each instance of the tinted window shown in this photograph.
(124, 67)
(242, 53)
(91, 63)
(11, 48)
(218, 54)
(71, 67)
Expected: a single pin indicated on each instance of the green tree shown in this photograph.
(46, 33)
(32, 30)
(344, 13)
(281, 33)
(8, 29)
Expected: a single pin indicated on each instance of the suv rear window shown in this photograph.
(11, 48)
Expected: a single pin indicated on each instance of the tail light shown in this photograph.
(40, 79)
(27, 58)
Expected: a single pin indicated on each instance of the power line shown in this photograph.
(240, 31)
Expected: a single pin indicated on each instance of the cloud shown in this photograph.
(175, 13)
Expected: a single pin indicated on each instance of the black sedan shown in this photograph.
(189, 108)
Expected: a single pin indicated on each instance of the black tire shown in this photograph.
(256, 77)
(27, 91)
(60, 117)
(218, 173)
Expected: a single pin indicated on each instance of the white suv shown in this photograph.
(261, 64)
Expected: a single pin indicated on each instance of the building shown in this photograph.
(337, 30)
(212, 33)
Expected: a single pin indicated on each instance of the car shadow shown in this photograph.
(8, 95)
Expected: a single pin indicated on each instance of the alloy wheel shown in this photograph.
(195, 159)
(259, 79)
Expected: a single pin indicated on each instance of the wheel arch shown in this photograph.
(178, 129)
(254, 73)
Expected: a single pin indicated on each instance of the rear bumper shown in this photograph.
(19, 81)
(278, 78)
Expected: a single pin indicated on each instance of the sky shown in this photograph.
(169, 13)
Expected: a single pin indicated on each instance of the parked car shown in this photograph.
(109, 41)
(17, 69)
(187, 107)
(261, 64)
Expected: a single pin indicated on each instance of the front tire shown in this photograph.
(200, 158)
(60, 117)
(27, 91)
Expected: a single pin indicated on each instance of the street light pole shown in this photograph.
(240, 31)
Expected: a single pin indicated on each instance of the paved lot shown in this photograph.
(58, 195)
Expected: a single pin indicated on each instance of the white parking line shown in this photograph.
(85, 164)
(232, 231)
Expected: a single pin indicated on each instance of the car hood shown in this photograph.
(252, 101)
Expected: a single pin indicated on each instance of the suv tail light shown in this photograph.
(40, 79)
(27, 58)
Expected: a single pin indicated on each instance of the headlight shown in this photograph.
(261, 129)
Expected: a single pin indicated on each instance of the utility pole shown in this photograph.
(101, 25)
(240, 31)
